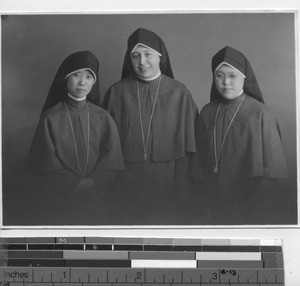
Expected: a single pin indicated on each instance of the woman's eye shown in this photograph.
(232, 76)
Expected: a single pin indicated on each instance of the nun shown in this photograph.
(76, 149)
(240, 158)
(155, 116)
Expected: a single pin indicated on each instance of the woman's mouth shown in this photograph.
(142, 69)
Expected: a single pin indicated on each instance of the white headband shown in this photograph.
(81, 70)
(227, 64)
(138, 44)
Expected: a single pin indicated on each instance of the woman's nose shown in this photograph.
(142, 59)
(226, 80)
(82, 80)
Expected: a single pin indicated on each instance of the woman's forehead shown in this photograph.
(228, 68)
(84, 71)
(225, 68)
(143, 48)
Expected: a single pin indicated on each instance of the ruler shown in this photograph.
(140, 261)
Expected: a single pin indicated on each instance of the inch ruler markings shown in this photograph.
(140, 261)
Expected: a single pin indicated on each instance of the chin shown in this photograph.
(226, 96)
(229, 96)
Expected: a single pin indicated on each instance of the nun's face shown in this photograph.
(229, 82)
(145, 62)
(80, 83)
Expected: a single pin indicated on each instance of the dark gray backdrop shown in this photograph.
(33, 46)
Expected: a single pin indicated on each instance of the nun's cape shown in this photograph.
(253, 146)
(53, 148)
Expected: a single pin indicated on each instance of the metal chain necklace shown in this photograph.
(145, 142)
(217, 157)
(82, 174)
